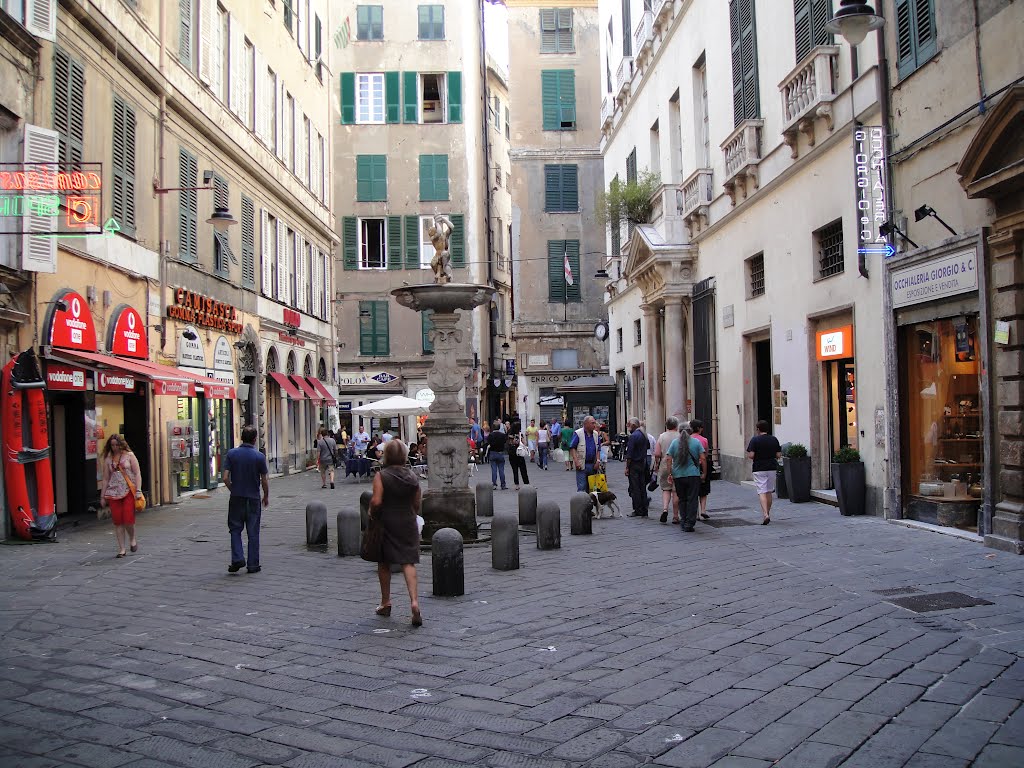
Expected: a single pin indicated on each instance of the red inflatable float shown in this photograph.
(28, 481)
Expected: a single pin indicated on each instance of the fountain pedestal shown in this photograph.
(448, 502)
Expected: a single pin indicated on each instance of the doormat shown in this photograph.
(896, 591)
(728, 522)
(938, 601)
(201, 496)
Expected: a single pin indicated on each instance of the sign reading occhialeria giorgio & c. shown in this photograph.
(935, 279)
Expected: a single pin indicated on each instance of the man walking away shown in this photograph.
(497, 442)
(637, 469)
(584, 452)
(327, 457)
(661, 467)
(697, 430)
(245, 475)
(687, 461)
(765, 450)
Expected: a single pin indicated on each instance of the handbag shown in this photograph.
(371, 548)
(597, 483)
(653, 484)
(522, 451)
(140, 499)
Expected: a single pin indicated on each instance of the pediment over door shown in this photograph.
(660, 269)
(993, 165)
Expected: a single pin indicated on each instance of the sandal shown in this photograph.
(383, 610)
(122, 554)
(705, 516)
(134, 547)
(417, 619)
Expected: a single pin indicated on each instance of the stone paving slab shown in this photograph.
(733, 647)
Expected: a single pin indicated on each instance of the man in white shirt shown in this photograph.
(361, 439)
(386, 436)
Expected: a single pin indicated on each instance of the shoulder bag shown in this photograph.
(371, 548)
(140, 499)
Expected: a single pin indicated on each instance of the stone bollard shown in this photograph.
(484, 500)
(349, 535)
(528, 505)
(364, 509)
(580, 514)
(447, 563)
(505, 542)
(549, 526)
(316, 525)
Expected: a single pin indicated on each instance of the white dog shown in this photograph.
(600, 500)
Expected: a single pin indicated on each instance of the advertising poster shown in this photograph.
(91, 436)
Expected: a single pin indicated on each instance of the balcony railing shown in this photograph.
(623, 76)
(807, 95)
(742, 152)
(643, 36)
(606, 111)
(667, 212)
(662, 10)
(696, 191)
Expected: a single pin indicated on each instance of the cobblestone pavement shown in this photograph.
(739, 645)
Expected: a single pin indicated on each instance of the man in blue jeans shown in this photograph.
(586, 458)
(638, 471)
(245, 475)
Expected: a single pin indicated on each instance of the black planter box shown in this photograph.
(798, 478)
(850, 484)
(781, 489)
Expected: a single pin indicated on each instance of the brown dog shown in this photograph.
(600, 500)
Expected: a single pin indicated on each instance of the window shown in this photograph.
(755, 276)
(123, 194)
(561, 189)
(272, 97)
(68, 107)
(558, 99)
(828, 244)
(269, 255)
(497, 177)
(556, 30)
(188, 36)
(188, 207)
(372, 244)
(248, 226)
(638, 337)
(427, 325)
(371, 178)
(288, 132)
(496, 112)
(292, 267)
(560, 289)
(565, 359)
(631, 167)
(701, 124)
(223, 66)
(431, 22)
(432, 93)
(916, 38)
(373, 328)
(809, 19)
(618, 339)
(370, 98)
(745, 96)
(499, 240)
(318, 39)
(369, 22)
(222, 253)
(508, 120)
(433, 177)
(655, 138)
(248, 106)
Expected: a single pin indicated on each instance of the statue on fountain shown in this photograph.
(439, 232)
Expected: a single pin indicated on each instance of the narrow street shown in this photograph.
(739, 645)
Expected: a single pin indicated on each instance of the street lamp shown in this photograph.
(853, 20)
(221, 218)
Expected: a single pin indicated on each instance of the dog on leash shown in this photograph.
(602, 499)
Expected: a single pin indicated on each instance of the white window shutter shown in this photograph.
(236, 63)
(293, 147)
(328, 296)
(207, 40)
(317, 280)
(281, 106)
(282, 260)
(41, 19)
(266, 252)
(300, 27)
(309, 31)
(260, 97)
(307, 153)
(325, 162)
(39, 252)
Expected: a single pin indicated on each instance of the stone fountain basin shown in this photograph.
(443, 298)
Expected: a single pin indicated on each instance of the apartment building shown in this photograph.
(409, 144)
(155, 318)
(557, 175)
(740, 293)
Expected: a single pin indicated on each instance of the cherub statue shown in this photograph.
(439, 232)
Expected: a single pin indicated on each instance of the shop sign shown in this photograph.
(50, 199)
(425, 396)
(292, 318)
(287, 338)
(222, 355)
(368, 378)
(345, 406)
(556, 379)
(128, 333)
(935, 279)
(835, 343)
(217, 391)
(203, 311)
(71, 327)
(190, 350)
(64, 377)
(111, 381)
(174, 388)
(872, 199)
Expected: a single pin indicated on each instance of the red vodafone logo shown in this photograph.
(71, 325)
(128, 333)
(110, 381)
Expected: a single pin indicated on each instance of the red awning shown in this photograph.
(286, 384)
(166, 379)
(319, 387)
(307, 389)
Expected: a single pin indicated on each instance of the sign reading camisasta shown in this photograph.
(935, 279)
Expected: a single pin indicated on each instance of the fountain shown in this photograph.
(448, 502)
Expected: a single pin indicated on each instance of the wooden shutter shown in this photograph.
(371, 178)
(260, 103)
(454, 97)
(188, 205)
(392, 97)
(394, 242)
(563, 22)
(556, 271)
(548, 30)
(297, 269)
(266, 253)
(567, 100)
(427, 177)
(381, 329)
(69, 107)
(248, 243)
(379, 165)
(350, 242)
(549, 99)
(570, 188)
(441, 177)
(328, 277)
(366, 337)
(236, 67)
(282, 141)
(185, 33)
(364, 179)
(282, 262)
(348, 98)
(457, 243)
(39, 252)
(802, 27)
(552, 188)
(41, 19)
(410, 97)
(123, 166)
(300, 26)
(572, 250)
(748, 59)
(821, 13)
(412, 242)
(209, 37)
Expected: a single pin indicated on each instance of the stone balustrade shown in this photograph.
(807, 95)
(696, 191)
(742, 152)
(607, 110)
(643, 35)
(623, 76)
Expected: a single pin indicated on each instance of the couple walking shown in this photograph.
(683, 472)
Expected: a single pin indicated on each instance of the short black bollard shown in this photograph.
(447, 564)
(484, 500)
(549, 526)
(505, 542)
(316, 525)
(364, 509)
(349, 535)
(580, 514)
(528, 505)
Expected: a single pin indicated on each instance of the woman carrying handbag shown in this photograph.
(518, 453)
(120, 490)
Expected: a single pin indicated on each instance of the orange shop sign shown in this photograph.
(835, 343)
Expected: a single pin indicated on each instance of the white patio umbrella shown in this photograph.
(393, 406)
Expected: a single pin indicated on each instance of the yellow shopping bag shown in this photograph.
(598, 483)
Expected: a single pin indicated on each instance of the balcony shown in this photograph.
(663, 11)
(643, 36)
(667, 213)
(623, 77)
(696, 206)
(742, 151)
(607, 110)
(807, 95)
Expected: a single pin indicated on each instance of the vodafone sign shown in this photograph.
(128, 336)
(64, 377)
(115, 381)
(71, 325)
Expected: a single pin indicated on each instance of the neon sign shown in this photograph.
(52, 199)
(872, 196)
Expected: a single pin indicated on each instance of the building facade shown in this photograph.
(408, 145)
(557, 177)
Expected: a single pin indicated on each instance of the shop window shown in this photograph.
(755, 276)
(828, 245)
(372, 244)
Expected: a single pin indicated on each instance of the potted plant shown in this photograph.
(798, 473)
(849, 480)
(631, 202)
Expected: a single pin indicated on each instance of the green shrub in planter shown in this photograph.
(795, 451)
(846, 455)
(850, 482)
(797, 468)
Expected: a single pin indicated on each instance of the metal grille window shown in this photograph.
(638, 334)
(370, 22)
(829, 247)
(431, 18)
(68, 106)
(248, 243)
(556, 30)
(755, 276)
(618, 339)
(123, 193)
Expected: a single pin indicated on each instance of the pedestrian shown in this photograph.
(394, 505)
(687, 462)
(122, 484)
(697, 431)
(531, 439)
(327, 457)
(765, 450)
(360, 440)
(585, 452)
(567, 436)
(556, 433)
(636, 467)
(515, 460)
(662, 469)
(604, 434)
(246, 474)
(475, 433)
(386, 437)
(543, 443)
(652, 441)
(497, 442)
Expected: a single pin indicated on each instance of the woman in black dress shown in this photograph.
(394, 506)
(517, 462)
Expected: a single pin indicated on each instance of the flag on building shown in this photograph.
(568, 268)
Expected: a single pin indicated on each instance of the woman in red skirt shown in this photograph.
(120, 476)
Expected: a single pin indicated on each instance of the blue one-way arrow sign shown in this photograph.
(887, 250)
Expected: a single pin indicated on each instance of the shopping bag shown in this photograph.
(597, 483)
(558, 455)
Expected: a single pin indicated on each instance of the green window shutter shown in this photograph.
(381, 329)
(392, 97)
(348, 98)
(185, 33)
(549, 99)
(366, 335)
(441, 176)
(563, 21)
(427, 321)
(394, 242)
(410, 97)
(552, 188)
(558, 99)
(567, 100)
(548, 30)
(457, 242)
(350, 242)
(426, 177)
(123, 166)
(412, 242)
(364, 179)
(380, 177)
(570, 188)
(454, 97)
(572, 249)
(556, 271)
(248, 243)
(802, 27)
(433, 177)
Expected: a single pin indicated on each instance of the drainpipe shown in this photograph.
(161, 255)
(491, 339)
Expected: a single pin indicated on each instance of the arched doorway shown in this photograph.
(296, 452)
(274, 416)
